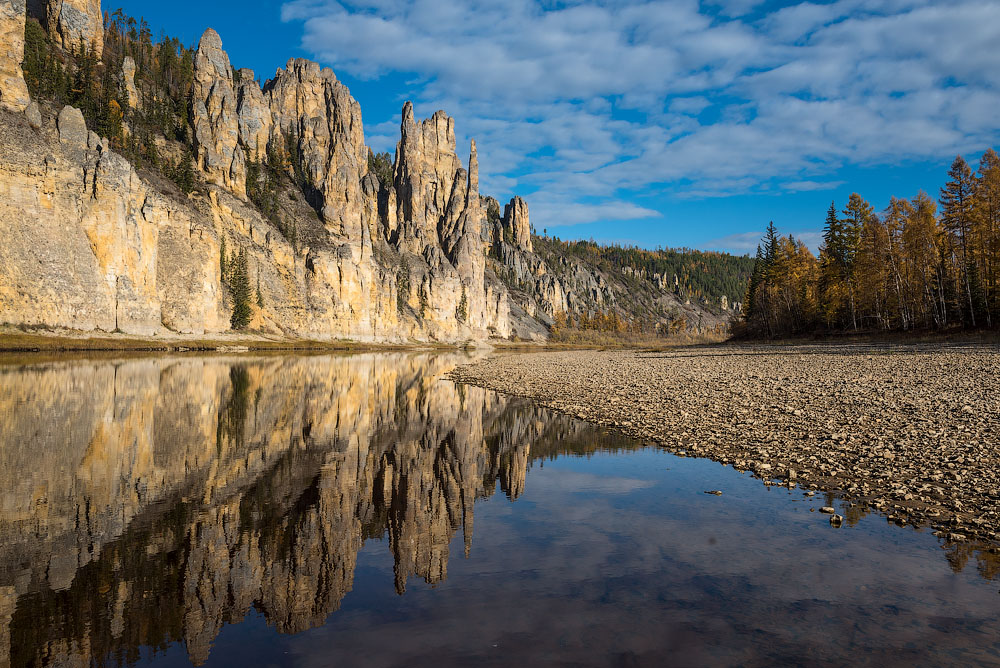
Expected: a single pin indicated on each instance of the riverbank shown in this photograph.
(15, 340)
(906, 430)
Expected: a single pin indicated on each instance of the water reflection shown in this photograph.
(151, 501)
(146, 505)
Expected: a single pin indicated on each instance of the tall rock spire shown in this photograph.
(216, 123)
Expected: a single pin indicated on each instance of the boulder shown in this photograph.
(72, 127)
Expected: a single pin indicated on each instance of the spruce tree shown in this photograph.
(462, 312)
(223, 258)
(240, 291)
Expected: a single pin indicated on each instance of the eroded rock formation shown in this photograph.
(517, 224)
(13, 91)
(340, 255)
(72, 23)
(214, 116)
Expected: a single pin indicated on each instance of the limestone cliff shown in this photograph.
(13, 91)
(72, 22)
(93, 244)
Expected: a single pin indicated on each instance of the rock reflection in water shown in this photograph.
(151, 501)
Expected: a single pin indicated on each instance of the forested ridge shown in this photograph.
(704, 276)
(154, 132)
(920, 264)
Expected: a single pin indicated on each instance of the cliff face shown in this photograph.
(93, 245)
(13, 91)
(72, 22)
(182, 492)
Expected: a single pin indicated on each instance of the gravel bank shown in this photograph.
(911, 431)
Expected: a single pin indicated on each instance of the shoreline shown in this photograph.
(904, 430)
(73, 341)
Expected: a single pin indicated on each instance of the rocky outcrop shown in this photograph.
(214, 116)
(13, 91)
(71, 23)
(338, 255)
(128, 82)
(316, 113)
(517, 225)
(254, 116)
(434, 211)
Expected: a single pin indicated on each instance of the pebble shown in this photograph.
(906, 428)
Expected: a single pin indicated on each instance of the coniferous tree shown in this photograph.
(223, 259)
(462, 311)
(240, 291)
(987, 222)
(956, 218)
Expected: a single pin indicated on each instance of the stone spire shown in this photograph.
(515, 219)
(216, 124)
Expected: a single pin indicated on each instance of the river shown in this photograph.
(364, 510)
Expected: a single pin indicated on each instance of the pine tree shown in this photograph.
(770, 246)
(239, 290)
(462, 311)
(260, 295)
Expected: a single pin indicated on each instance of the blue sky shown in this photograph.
(673, 123)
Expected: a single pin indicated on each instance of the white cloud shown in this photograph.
(583, 105)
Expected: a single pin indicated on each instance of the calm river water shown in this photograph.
(361, 510)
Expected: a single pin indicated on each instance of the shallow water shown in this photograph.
(361, 510)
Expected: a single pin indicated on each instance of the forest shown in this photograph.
(919, 265)
(704, 276)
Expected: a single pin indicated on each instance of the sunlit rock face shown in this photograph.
(213, 485)
(316, 112)
(13, 91)
(80, 241)
(214, 113)
(72, 23)
(434, 216)
(91, 245)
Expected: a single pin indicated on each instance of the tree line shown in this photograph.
(692, 274)
(920, 264)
